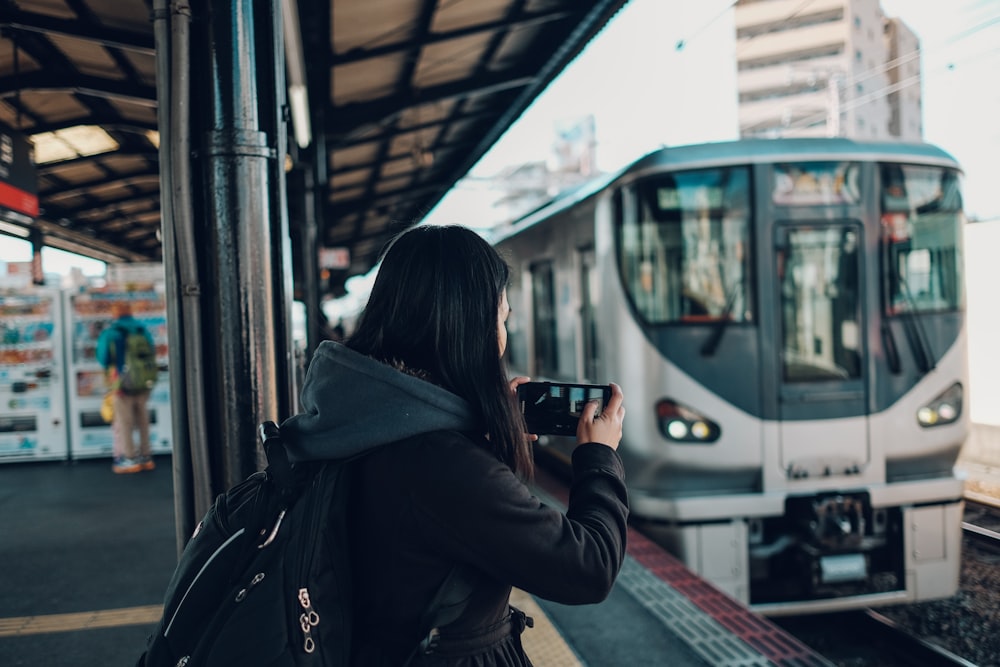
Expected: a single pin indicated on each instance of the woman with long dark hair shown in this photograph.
(421, 387)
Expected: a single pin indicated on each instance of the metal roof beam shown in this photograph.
(106, 36)
(113, 206)
(80, 84)
(85, 242)
(51, 167)
(83, 189)
(352, 118)
(523, 21)
(387, 134)
(386, 198)
(108, 122)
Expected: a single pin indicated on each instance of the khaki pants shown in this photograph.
(131, 414)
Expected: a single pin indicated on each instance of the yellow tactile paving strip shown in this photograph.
(542, 643)
(85, 620)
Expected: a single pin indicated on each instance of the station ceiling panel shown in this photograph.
(414, 93)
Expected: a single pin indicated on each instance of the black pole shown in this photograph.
(237, 166)
(275, 112)
(184, 503)
(37, 270)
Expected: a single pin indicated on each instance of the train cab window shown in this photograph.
(922, 219)
(684, 254)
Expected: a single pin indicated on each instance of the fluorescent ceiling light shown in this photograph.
(72, 142)
(298, 94)
(14, 230)
(298, 99)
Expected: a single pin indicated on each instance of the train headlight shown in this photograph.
(700, 430)
(677, 429)
(944, 409)
(682, 424)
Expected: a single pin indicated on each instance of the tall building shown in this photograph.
(826, 68)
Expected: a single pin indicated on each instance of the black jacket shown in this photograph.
(430, 495)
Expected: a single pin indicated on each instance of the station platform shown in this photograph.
(85, 556)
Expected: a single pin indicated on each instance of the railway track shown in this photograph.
(865, 637)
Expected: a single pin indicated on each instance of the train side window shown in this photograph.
(684, 256)
(617, 206)
(543, 307)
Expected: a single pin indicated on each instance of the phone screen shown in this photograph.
(554, 408)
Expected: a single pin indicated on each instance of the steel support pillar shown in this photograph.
(242, 152)
(227, 251)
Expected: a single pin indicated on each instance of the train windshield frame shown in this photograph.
(685, 256)
(922, 220)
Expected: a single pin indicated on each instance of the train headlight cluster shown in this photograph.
(944, 409)
(682, 424)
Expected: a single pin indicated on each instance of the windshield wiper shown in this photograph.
(915, 332)
(712, 343)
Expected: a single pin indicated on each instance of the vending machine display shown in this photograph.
(88, 313)
(32, 380)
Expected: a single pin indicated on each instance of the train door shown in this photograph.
(822, 350)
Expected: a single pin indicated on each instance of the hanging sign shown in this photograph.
(334, 258)
(18, 178)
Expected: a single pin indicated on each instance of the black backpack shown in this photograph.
(265, 579)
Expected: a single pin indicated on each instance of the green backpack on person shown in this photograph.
(139, 368)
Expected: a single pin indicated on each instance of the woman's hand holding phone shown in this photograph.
(514, 384)
(606, 428)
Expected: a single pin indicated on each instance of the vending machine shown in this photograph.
(32, 376)
(88, 313)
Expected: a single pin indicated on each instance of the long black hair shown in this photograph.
(433, 308)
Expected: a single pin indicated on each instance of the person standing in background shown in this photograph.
(126, 351)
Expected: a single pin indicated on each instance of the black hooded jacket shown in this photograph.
(430, 495)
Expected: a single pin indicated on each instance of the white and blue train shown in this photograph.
(786, 318)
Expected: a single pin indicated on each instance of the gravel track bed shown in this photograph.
(967, 624)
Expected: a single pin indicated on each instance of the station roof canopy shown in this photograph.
(416, 92)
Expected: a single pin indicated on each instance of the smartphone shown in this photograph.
(554, 408)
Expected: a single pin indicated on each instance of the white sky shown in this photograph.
(645, 93)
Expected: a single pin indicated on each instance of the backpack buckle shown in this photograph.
(431, 641)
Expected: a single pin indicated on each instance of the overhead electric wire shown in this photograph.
(850, 78)
(681, 43)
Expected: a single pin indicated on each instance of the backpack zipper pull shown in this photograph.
(257, 578)
(307, 620)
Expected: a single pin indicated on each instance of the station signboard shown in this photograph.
(18, 177)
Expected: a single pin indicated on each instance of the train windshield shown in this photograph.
(684, 255)
(820, 303)
(921, 231)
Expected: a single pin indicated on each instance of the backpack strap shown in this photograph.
(278, 465)
(116, 345)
